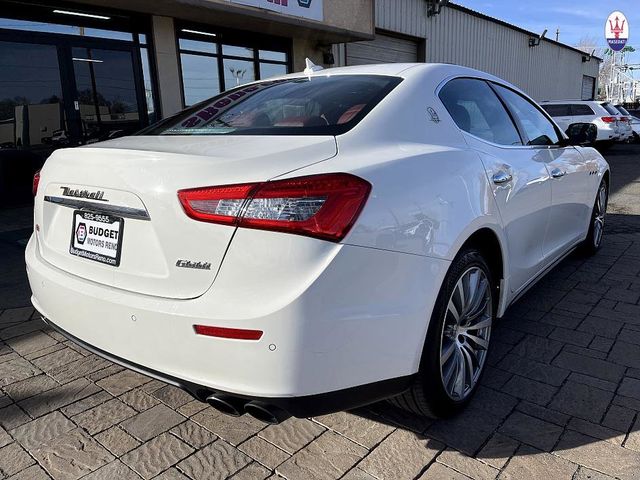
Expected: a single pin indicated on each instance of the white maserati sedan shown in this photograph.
(318, 241)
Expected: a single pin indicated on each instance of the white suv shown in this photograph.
(635, 122)
(567, 112)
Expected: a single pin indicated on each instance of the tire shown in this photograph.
(431, 395)
(593, 242)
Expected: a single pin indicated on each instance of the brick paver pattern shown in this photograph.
(559, 400)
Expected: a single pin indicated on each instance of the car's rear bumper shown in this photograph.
(607, 132)
(362, 320)
(301, 407)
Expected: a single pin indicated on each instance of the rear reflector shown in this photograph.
(322, 206)
(36, 182)
(609, 119)
(234, 333)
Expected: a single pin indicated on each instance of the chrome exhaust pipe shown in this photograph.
(266, 413)
(227, 404)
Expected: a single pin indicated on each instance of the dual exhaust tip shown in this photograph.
(236, 407)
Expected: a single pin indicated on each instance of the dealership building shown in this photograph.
(77, 73)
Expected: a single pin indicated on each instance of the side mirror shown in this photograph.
(582, 133)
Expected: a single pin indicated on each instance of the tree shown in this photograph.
(589, 45)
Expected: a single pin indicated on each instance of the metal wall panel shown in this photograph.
(403, 16)
(384, 49)
(546, 72)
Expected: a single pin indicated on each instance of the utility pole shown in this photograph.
(558, 34)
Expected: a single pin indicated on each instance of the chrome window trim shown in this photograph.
(125, 212)
(497, 82)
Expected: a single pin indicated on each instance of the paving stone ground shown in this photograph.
(560, 398)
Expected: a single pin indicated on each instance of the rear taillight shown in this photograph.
(608, 119)
(323, 206)
(215, 204)
(36, 182)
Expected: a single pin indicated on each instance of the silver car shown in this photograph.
(624, 123)
(635, 122)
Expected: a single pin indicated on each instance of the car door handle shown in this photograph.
(557, 173)
(501, 177)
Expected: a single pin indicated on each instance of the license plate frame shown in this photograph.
(99, 243)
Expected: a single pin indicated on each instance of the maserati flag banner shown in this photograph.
(616, 31)
(312, 9)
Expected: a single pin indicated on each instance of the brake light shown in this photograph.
(608, 119)
(36, 182)
(322, 206)
(234, 333)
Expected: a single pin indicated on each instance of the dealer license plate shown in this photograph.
(97, 237)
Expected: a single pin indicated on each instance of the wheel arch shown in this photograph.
(606, 176)
(488, 242)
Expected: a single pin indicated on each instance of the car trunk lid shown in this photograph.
(163, 252)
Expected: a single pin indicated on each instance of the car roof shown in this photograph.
(563, 102)
(404, 70)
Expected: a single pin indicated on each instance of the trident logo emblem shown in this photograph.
(618, 29)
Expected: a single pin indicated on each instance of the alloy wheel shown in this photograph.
(599, 214)
(466, 333)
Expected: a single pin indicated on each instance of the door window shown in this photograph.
(581, 109)
(476, 109)
(557, 110)
(537, 127)
(106, 92)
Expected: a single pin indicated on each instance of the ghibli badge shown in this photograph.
(195, 265)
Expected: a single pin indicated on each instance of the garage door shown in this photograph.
(384, 49)
(588, 84)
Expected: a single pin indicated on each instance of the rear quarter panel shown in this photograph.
(430, 190)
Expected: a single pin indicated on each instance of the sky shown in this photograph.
(576, 19)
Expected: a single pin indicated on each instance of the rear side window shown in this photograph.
(317, 105)
(581, 109)
(557, 110)
(476, 109)
(538, 128)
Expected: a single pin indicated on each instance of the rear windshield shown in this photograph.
(611, 109)
(318, 105)
(623, 110)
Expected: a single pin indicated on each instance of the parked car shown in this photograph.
(566, 112)
(624, 122)
(634, 121)
(318, 241)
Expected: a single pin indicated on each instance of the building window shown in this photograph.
(213, 62)
(59, 28)
(147, 78)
